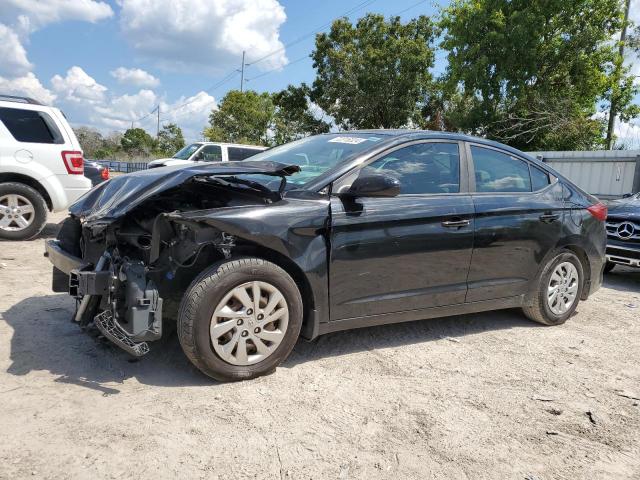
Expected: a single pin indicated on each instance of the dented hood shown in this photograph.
(121, 194)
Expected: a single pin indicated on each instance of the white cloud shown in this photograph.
(27, 85)
(189, 113)
(135, 76)
(628, 133)
(33, 14)
(13, 56)
(204, 34)
(78, 87)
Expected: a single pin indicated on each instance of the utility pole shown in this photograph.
(242, 73)
(613, 106)
(158, 125)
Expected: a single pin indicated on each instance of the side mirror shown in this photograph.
(374, 185)
(198, 157)
(627, 195)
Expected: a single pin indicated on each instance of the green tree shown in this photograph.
(137, 142)
(170, 139)
(376, 73)
(530, 72)
(293, 118)
(242, 117)
(90, 140)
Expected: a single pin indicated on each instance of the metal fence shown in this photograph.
(604, 173)
(124, 167)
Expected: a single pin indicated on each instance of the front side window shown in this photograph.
(210, 153)
(499, 172)
(424, 168)
(30, 126)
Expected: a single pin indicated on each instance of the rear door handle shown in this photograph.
(549, 217)
(455, 223)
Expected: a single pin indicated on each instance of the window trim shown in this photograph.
(472, 170)
(462, 155)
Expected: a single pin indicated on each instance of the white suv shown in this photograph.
(41, 166)
(208, 152)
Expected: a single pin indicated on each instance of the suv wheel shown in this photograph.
(558, 290)
(23, 211)
(240, 319)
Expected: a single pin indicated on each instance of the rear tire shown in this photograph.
(23, 211)
(561, 278)
(609, 266)
(245, 345)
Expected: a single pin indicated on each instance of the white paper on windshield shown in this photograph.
(349, 140)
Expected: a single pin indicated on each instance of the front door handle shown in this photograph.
(455, 223)
(549, 217)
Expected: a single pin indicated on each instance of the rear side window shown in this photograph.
(30, 126)
(539, 178)
(499, 172)
(237, 153)
(211, 153)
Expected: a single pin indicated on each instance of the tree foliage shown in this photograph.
(264, 119)
(170, 140)
(373, 74)
(242, 117)
(137, 142)
(530, 72)
(293, 118)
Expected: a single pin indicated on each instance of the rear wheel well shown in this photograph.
(586, 267)
(19, 178)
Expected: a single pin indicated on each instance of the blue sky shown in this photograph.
(107, 63)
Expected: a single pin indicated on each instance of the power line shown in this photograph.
(359, 6)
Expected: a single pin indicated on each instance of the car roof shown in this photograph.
(414, 134)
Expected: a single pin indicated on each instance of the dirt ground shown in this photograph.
(482, 396)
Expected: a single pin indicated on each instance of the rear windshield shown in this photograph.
(30, 126)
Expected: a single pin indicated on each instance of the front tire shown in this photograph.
(558, 289)
(240, 319)
(23, 211)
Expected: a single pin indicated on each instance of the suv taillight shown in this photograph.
(598, 210)
(105, 173)
(74, 162)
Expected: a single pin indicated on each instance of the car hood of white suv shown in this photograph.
(167, 162)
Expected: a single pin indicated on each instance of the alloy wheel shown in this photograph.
(16, 212)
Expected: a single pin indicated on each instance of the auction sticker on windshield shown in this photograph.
(349, 140)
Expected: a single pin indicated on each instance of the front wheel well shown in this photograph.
(19, 178)
(292, 269)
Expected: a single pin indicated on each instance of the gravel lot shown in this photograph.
(478, 396)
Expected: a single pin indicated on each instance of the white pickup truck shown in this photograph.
(41, 166)
(208, 152)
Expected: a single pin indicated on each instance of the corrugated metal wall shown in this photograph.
(603, 173)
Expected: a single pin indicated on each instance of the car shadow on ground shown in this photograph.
(45, 338)
(624, 279)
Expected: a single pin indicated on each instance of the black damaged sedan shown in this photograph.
(327, 233)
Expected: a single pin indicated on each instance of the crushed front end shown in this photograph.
(127, 259)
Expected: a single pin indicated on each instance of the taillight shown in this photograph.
(74, 162)
(105, 173)
(599, 210)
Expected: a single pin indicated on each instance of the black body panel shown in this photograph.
(357, 262)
